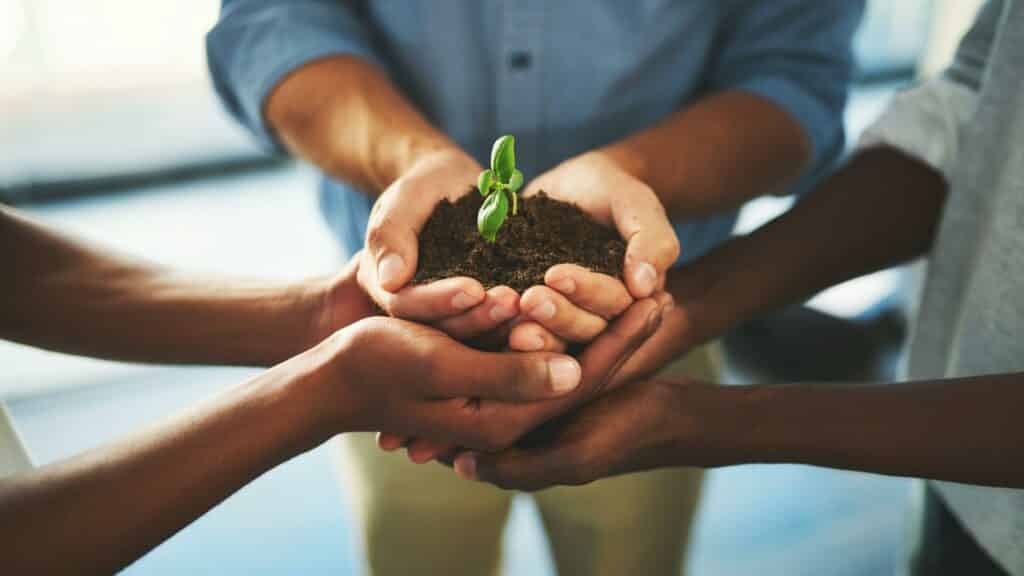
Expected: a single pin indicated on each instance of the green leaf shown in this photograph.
(492, 215)
(503, 158)
(516, 181)
(484, 182)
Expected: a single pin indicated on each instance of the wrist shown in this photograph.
(316, 389)
(712, 425)
(711, 298)
(412, 149)
(628, 159)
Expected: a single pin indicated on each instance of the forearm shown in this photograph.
(104, 509)
(344, 116)
(880, 210)
(65, 295)
(963, 430)
(716, 154)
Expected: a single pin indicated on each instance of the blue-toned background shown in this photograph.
(132, 100)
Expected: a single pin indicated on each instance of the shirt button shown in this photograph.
(519, 60)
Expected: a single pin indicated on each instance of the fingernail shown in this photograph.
(667, 309)
(389, 268)
(565, 374)
(501, 313)
(465, 466)
(645, 278)
(565, 285)
(544, 311)
(463, 300)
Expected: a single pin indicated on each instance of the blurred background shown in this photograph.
(109, 129)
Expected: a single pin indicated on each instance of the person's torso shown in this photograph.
(564, 77)
(972, 312)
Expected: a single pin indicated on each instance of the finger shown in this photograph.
(599, 363)
(600, 294)
(665, 302)
(651, 243)
(560, 316)
(422, 450)
(500, 305)
(526, 470)
(392, 236)
(435, 301)
(390, 442)
(602, 359)
(529, 336)
(461, 372)
(424, 302)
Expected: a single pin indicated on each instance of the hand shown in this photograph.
(639, 427)
(385, 373)
(575, 304)
(459, 306)
(338, 302)
(674, 338)
(600, 362)
(602, 189)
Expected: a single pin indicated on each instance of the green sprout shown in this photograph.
(499, 186)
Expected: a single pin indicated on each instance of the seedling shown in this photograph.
(499, 186)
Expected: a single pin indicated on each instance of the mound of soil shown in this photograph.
(543, 233)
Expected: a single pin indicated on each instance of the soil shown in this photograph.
(543, 233)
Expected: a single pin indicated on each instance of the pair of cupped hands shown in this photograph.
(519, 427)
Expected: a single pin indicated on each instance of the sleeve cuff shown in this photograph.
(823, 125)
(924, 122)
(251, 50)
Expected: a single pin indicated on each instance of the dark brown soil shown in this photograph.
(545, 232)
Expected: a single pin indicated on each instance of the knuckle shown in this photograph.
(521, 376)
(668, 246)
(375, 232)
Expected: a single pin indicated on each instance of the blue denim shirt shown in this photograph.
(564, 77)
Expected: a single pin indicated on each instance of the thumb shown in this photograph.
(392, 240)
(506, 377)
(516, 468)
(652, 246)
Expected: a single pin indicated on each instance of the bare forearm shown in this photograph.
(344, 116)
(716, 154)
(68, 296)
(882, 209)
(962, 430)
(106, 508)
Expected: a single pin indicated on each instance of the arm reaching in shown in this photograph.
(835, 234)
(74, 297)
(957, 430)
(377, 373)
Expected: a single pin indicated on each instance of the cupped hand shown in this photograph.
(460, 306)
(612, 196)
(390, 374)
(639, 427)
(600, 362)
(575, 304)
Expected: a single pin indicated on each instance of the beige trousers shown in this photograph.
(424, 520)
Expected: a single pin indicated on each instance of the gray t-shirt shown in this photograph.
(971, 314)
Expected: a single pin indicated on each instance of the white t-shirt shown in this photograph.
(13, 457)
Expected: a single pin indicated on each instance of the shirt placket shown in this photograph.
(519, 97)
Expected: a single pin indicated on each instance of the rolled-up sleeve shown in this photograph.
(926, 121)
(256, 43)
(797, 54)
